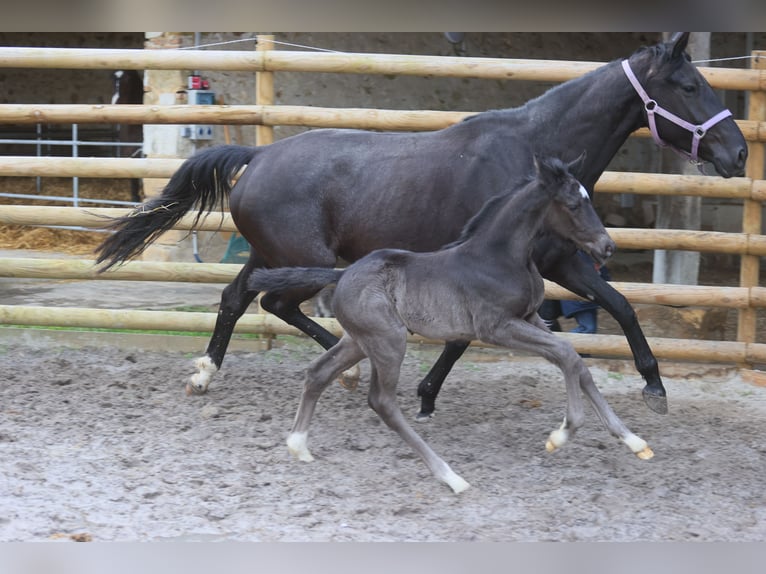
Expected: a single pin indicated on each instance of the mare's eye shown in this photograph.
(689, 89)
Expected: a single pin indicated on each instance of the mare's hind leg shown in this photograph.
(429, 387)
(319, 374)
(234, 302)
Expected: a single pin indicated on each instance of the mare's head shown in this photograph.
(571, 213)
(674, 84)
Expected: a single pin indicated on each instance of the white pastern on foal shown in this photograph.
(201, 379)
(456, 482)
(638, 446)
(557, 438)
(297, 445)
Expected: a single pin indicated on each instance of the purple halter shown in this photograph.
(652, 107)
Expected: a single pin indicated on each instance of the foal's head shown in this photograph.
(571, 212)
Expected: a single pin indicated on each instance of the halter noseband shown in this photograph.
(652, 107)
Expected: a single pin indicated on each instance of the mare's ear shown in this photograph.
(679, 44)
(576, 166)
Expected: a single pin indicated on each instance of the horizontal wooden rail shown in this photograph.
(80, 269)
(610, 181)
(326, 62)
(626, 238)
(98, 217)
(261, 323)
(266, 115)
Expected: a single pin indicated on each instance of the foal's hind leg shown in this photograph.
(319, 374)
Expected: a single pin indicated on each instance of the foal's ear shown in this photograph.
(679, 44)
(576, 166)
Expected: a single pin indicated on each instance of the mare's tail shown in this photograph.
(289, 278)
(203, 180)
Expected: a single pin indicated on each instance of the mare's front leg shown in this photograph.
(429, 387)
(580, 277)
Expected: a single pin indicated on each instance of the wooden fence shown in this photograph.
(750, 245)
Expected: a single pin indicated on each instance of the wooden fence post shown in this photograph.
(264, 91)
(751, 212)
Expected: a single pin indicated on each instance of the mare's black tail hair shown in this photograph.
(203, 180)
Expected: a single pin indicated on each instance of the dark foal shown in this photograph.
(485, 286)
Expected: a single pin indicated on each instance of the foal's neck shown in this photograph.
(509, 234)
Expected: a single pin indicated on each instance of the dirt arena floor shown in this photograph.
(99, 442)
(102, 444)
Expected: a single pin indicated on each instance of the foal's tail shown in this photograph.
(203, 180)
(290, 278)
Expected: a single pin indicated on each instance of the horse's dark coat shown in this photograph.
(312, 198)
(483, 286)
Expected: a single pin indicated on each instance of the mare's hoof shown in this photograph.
(194, 390)
(645, 454)
(655, 399)
(422, 417)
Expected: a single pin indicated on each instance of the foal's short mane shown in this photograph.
(555, 171)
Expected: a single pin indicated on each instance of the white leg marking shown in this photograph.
(638, 446)
(296, 444)
(200, 380)
(557, 438)
(455, 482)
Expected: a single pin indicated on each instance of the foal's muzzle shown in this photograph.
(602, 249)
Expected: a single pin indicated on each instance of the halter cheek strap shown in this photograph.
(652, 108)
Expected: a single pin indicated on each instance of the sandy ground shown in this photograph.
(102, 444)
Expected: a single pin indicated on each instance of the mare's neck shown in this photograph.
(595, 113)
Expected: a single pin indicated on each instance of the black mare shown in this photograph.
(326, 194)
(483, 286)
(129, 89)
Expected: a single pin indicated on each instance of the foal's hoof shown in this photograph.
(645, 454)
(349, 379)
(655, 399)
